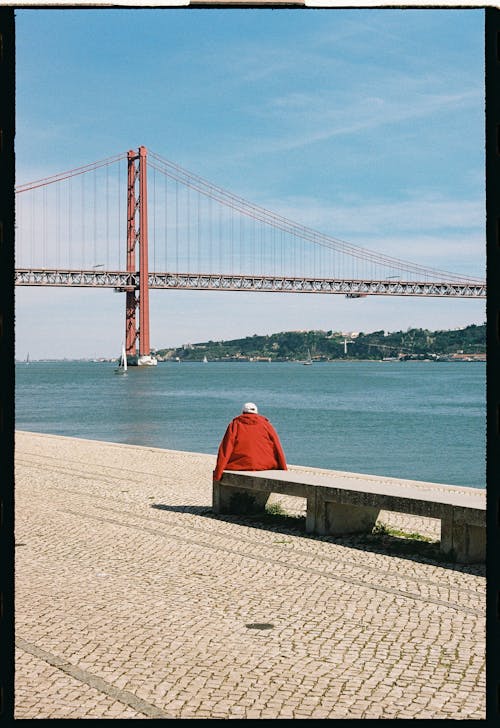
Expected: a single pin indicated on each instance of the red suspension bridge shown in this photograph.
(137, 221)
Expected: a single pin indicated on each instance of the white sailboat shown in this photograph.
(309, 359)
(122, 367)
(205, 360)
(28, 358)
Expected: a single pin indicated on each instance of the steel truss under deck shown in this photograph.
(128, 281)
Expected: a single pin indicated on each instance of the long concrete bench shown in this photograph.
(340, 503)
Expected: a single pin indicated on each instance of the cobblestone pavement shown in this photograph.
(134, 601)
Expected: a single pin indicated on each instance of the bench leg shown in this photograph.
(228, 499)
(338, 519)
(311, 512)
(466, 543)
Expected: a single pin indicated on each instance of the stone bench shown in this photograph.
(340, 503)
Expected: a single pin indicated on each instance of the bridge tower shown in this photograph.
(137, 344)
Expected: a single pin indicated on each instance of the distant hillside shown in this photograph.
(331, 345)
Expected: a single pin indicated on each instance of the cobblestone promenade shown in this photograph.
(134, 601)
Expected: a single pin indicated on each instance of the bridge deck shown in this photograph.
(353, 288)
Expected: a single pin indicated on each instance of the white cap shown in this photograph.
(250, 407)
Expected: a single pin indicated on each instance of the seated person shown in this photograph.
(250, 443)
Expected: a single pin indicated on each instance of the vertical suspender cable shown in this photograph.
(277, 241)
(282, 253)
(32, 226)
(220, 239)
(58, 224)
(44, 242)
(254, 248)
(261, 246)
(231, 239)
(70, 219)
(177, 226)
(154, 219)
(82, 218)
(210, 234)
(95, 217)
(285, 246)
(107, 217)
(22, 234)
(119, 208)
(240, 268)
(277, 250)
(20, 251)
(165, 218)
(188, 218)
(198, 250)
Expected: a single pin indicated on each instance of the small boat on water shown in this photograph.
(147, 360)
(205, 360)
(122, 366)
(142, 360)
(308, 360)
(27, 358)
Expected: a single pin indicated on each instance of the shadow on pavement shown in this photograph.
(408, 548)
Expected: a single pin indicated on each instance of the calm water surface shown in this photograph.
(418, 420)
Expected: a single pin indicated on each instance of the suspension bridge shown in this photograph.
(136, 221)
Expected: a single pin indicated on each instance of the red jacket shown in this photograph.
(250, 443)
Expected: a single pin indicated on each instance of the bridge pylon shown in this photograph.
(137, 345)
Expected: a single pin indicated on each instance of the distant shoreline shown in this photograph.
(453, 360)
(465, 344)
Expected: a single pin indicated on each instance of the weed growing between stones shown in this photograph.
(276, 509)
(395, 541)
(273, 515)
(381, 529)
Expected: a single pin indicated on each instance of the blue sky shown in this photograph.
(367, 125)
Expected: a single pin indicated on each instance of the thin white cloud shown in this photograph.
(311, 118)
(429, 229)
(426, 212)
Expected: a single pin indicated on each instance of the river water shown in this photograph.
(418, 420)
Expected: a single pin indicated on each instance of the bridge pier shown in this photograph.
(137, 235)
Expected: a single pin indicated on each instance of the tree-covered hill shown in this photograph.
(330, 345)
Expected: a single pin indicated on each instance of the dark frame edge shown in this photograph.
(7, 361)
(492, 88)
